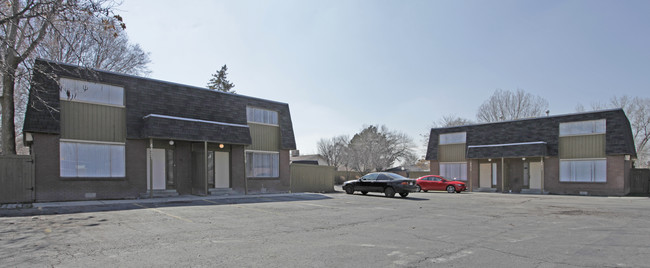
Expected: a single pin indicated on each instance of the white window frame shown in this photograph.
(462, 169)
(452, 138)
(583, 128)
(268, 116)
(275, 169)
(116, 162)
(110, 95)
(597, 174)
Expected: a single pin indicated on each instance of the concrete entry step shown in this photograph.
(160, 193)
(222, 191)
(531, 191)
(484, 189)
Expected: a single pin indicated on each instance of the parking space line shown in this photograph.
(164, 213)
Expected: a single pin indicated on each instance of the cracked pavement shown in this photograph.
(337, 230)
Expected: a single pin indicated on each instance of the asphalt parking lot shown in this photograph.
(337, 230)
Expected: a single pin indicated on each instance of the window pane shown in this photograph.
(92, 160)
(583, 127)
(583, 170)
(68, 158)
(262, 164)
(91, 92)
(261, 116)
(457, 171)
(118, 168)
(451, 138)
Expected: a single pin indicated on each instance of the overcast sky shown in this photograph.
(344, 64)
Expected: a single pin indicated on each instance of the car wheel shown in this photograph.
(364, 192)
(389, 192)
(349, 190)
(419, 189)
(425, 191)
(404, 194)
(451, 189)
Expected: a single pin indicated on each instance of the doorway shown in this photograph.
(156, 163)
(485, 175)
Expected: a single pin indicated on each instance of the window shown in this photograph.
(263, 116)
(583, 170)
(452, 138)
(91, 160)
(454, 171)
(583, 128)
(370, 177)
(262, 164)
(77, 90)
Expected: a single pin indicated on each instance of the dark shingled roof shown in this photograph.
(529, 132)
(146, 96)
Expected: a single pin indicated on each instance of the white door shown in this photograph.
(535, 175)
(221, 170)
(485, 175)
(158, 160)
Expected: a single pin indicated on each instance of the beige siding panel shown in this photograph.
(587, 146)
(312, 178)
(85, 121)
(265, 138)
(451, 152)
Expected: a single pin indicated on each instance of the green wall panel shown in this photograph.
(451, 152)
(85, 121)
(265, 138)
(587, 146)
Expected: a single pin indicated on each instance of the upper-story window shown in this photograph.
(452, 138)
(84, 91)
(258, 115)
(583, 128)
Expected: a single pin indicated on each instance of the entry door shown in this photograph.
(158, 160)
(535, 175)
(221, 170)
(485, 175)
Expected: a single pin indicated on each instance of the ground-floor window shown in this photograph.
(89, 159)
(457, 171)
(262, 164)
(591, 170)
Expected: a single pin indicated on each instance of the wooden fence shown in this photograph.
(16, 179)
(311, 178)
(640, 181)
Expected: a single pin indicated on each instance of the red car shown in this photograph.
(439, 183)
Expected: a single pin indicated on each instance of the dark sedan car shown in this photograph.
(382, 182)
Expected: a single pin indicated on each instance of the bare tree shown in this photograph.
(105, 49)
(24, 24)
(377, 148)
(453, 121)
(333, 150)
(507, 105)
(637, 110)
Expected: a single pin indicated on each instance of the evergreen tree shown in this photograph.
(220, 82)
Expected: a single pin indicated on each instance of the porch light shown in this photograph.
(221, 145)
(523, 158)
(171, 142)
(489, 159)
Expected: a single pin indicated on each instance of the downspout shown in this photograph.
(205, 166)
(245, 175)
(503, 175)
(471, 189)
(150, 168)
(542, 180)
